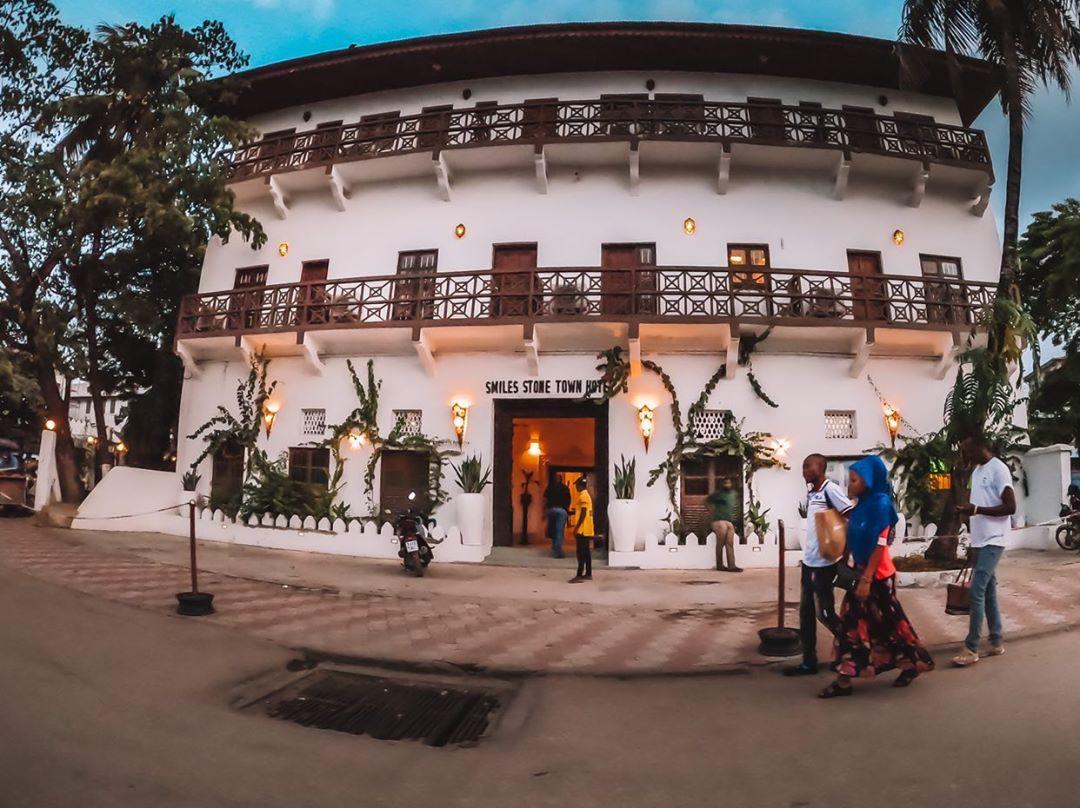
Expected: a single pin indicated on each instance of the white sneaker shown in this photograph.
(965, 658)
(995, 650)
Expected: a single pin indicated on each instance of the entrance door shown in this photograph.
(313, 291)
(699, 479)
(403, 473)
(867, 289)
(625, 279)
(513, 460)
(513, 280)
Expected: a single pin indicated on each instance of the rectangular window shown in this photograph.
(227, 476)
(312, 422)
(250, 277)
(309, 466)
(840, 424)
(415, 291)
(944, 293)
(755, 259)
(700, 478)
(710, 424)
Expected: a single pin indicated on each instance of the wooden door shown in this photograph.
(434, 125)
(626, 282)
(376, 133)
(766, 118)
(324, 142)
(513, 281)
(699, 479)
(620, 113)
(249, 297)
(414, 292)
(539, 119)
(312, 292)
(943, 290)
(861, 125)
(678, 114)
(916, 133)
(867, 289)
(402, 473)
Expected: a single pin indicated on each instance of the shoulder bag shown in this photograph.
(958, 593)
(831, 530)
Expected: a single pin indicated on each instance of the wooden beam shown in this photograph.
(843, 169)
(723, 170)
(864, 343)
(982, 197)
(731, 361)
(635, 169)
(918, 185)
(312, 353)
(532, 352)
(191, 367)
(540, 165)
(442, 176)
(339, 189)
(277, 194)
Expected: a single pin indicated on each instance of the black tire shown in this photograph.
(415, 565)
(1067, 538)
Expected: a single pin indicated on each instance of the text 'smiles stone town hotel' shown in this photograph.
(483, 213)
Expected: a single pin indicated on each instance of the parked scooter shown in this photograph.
(414, 551)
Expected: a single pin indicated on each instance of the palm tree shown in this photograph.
(1029, 41)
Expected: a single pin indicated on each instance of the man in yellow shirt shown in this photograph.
(583, 533)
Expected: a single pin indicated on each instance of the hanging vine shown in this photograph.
(747, 345)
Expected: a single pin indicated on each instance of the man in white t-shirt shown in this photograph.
(992, 504)
(817, 601)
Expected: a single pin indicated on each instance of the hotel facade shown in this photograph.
(483, 215)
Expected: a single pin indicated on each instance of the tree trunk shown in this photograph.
(1012, 98)
(93, 381)
(66, 468)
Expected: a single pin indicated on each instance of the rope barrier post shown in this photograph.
(194, 603)
(779, 641)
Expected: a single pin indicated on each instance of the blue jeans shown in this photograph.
(984, 597)
(557, 529)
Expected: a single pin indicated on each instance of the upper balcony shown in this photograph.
(690, 309)
(760, 133)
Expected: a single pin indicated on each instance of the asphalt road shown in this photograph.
(106, 705)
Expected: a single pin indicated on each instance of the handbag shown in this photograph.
(831, 531)
(847, 577)
(958, 593)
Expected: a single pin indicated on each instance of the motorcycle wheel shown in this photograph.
(1066, 538)
(415, 565)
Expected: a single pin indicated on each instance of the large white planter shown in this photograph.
(623, 521)
(184, 508)
(470, 518)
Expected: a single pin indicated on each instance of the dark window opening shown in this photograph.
(414, 292)
(434, 125)
(766, 118)
(700, 478)
(862, 131)
(227, 476)
(944, 290)
(403, 473)
(309, 466)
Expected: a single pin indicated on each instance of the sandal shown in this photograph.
(906, 678)
(835, 691)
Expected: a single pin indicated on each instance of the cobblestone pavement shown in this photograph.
(505, 634)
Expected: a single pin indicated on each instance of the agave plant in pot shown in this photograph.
(189, 483)
(622, 511)
(472, 478)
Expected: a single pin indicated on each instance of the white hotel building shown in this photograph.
(482, 214)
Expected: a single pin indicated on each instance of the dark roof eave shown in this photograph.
(578, 47)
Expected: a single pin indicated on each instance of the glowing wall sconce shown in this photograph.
(50, 425)
(689, 226)
(121, 448)
(283, 249)
(91, 440)
(534, 447)
(356, 440)
(459, 230)
(646, 423)
(783, 445)
(270, 412)
(460, 415)
(892, 421)
(898, 237)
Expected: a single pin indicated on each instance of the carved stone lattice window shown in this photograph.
(710, 425)
(412, 421)
(313, 422)
(840, 424)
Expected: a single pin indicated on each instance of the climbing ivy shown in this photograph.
(747, 345)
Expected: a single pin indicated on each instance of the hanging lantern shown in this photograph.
(892, 421)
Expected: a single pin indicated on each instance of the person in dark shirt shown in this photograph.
(726, 509)
(557, 503)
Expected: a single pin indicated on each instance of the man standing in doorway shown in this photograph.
(817, 601)
(993, 502)
(726, 510)
(583, 533)
(557, 502)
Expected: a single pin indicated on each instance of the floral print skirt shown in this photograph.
(875, 636)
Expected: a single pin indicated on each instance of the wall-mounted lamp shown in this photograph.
(460, 415)
(898, 237)
(91, 440)
(459, 230)
(283, 249)
(782, 446)
(534, 447)
(892, 421)
(689, 226)
(270, 411)
(645, 423)
(356, 440)
(50, 424)
(121, 447)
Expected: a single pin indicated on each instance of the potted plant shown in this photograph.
(189, 482)
(622, 512)
(473, 478)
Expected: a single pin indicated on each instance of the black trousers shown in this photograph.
(817, 603)
(584, 555)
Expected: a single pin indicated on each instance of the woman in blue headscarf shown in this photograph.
(875, 635)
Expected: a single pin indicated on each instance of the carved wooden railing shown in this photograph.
(652, 294)
(538, 123)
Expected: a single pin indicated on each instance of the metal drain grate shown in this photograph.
(389, 710)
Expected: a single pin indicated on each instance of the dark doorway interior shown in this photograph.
(511, 460)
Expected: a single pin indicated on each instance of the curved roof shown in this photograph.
(578, 47)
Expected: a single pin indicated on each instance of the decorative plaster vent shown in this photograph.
(312, 422)
(412, 421)
(840, 424)
(710, 425)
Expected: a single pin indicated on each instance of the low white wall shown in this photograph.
(1047, 471)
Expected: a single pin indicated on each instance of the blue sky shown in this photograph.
(271, 30)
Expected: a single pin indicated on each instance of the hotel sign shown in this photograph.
(544, 388)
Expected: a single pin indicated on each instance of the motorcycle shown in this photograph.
(415, 548)
(1068, 533)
